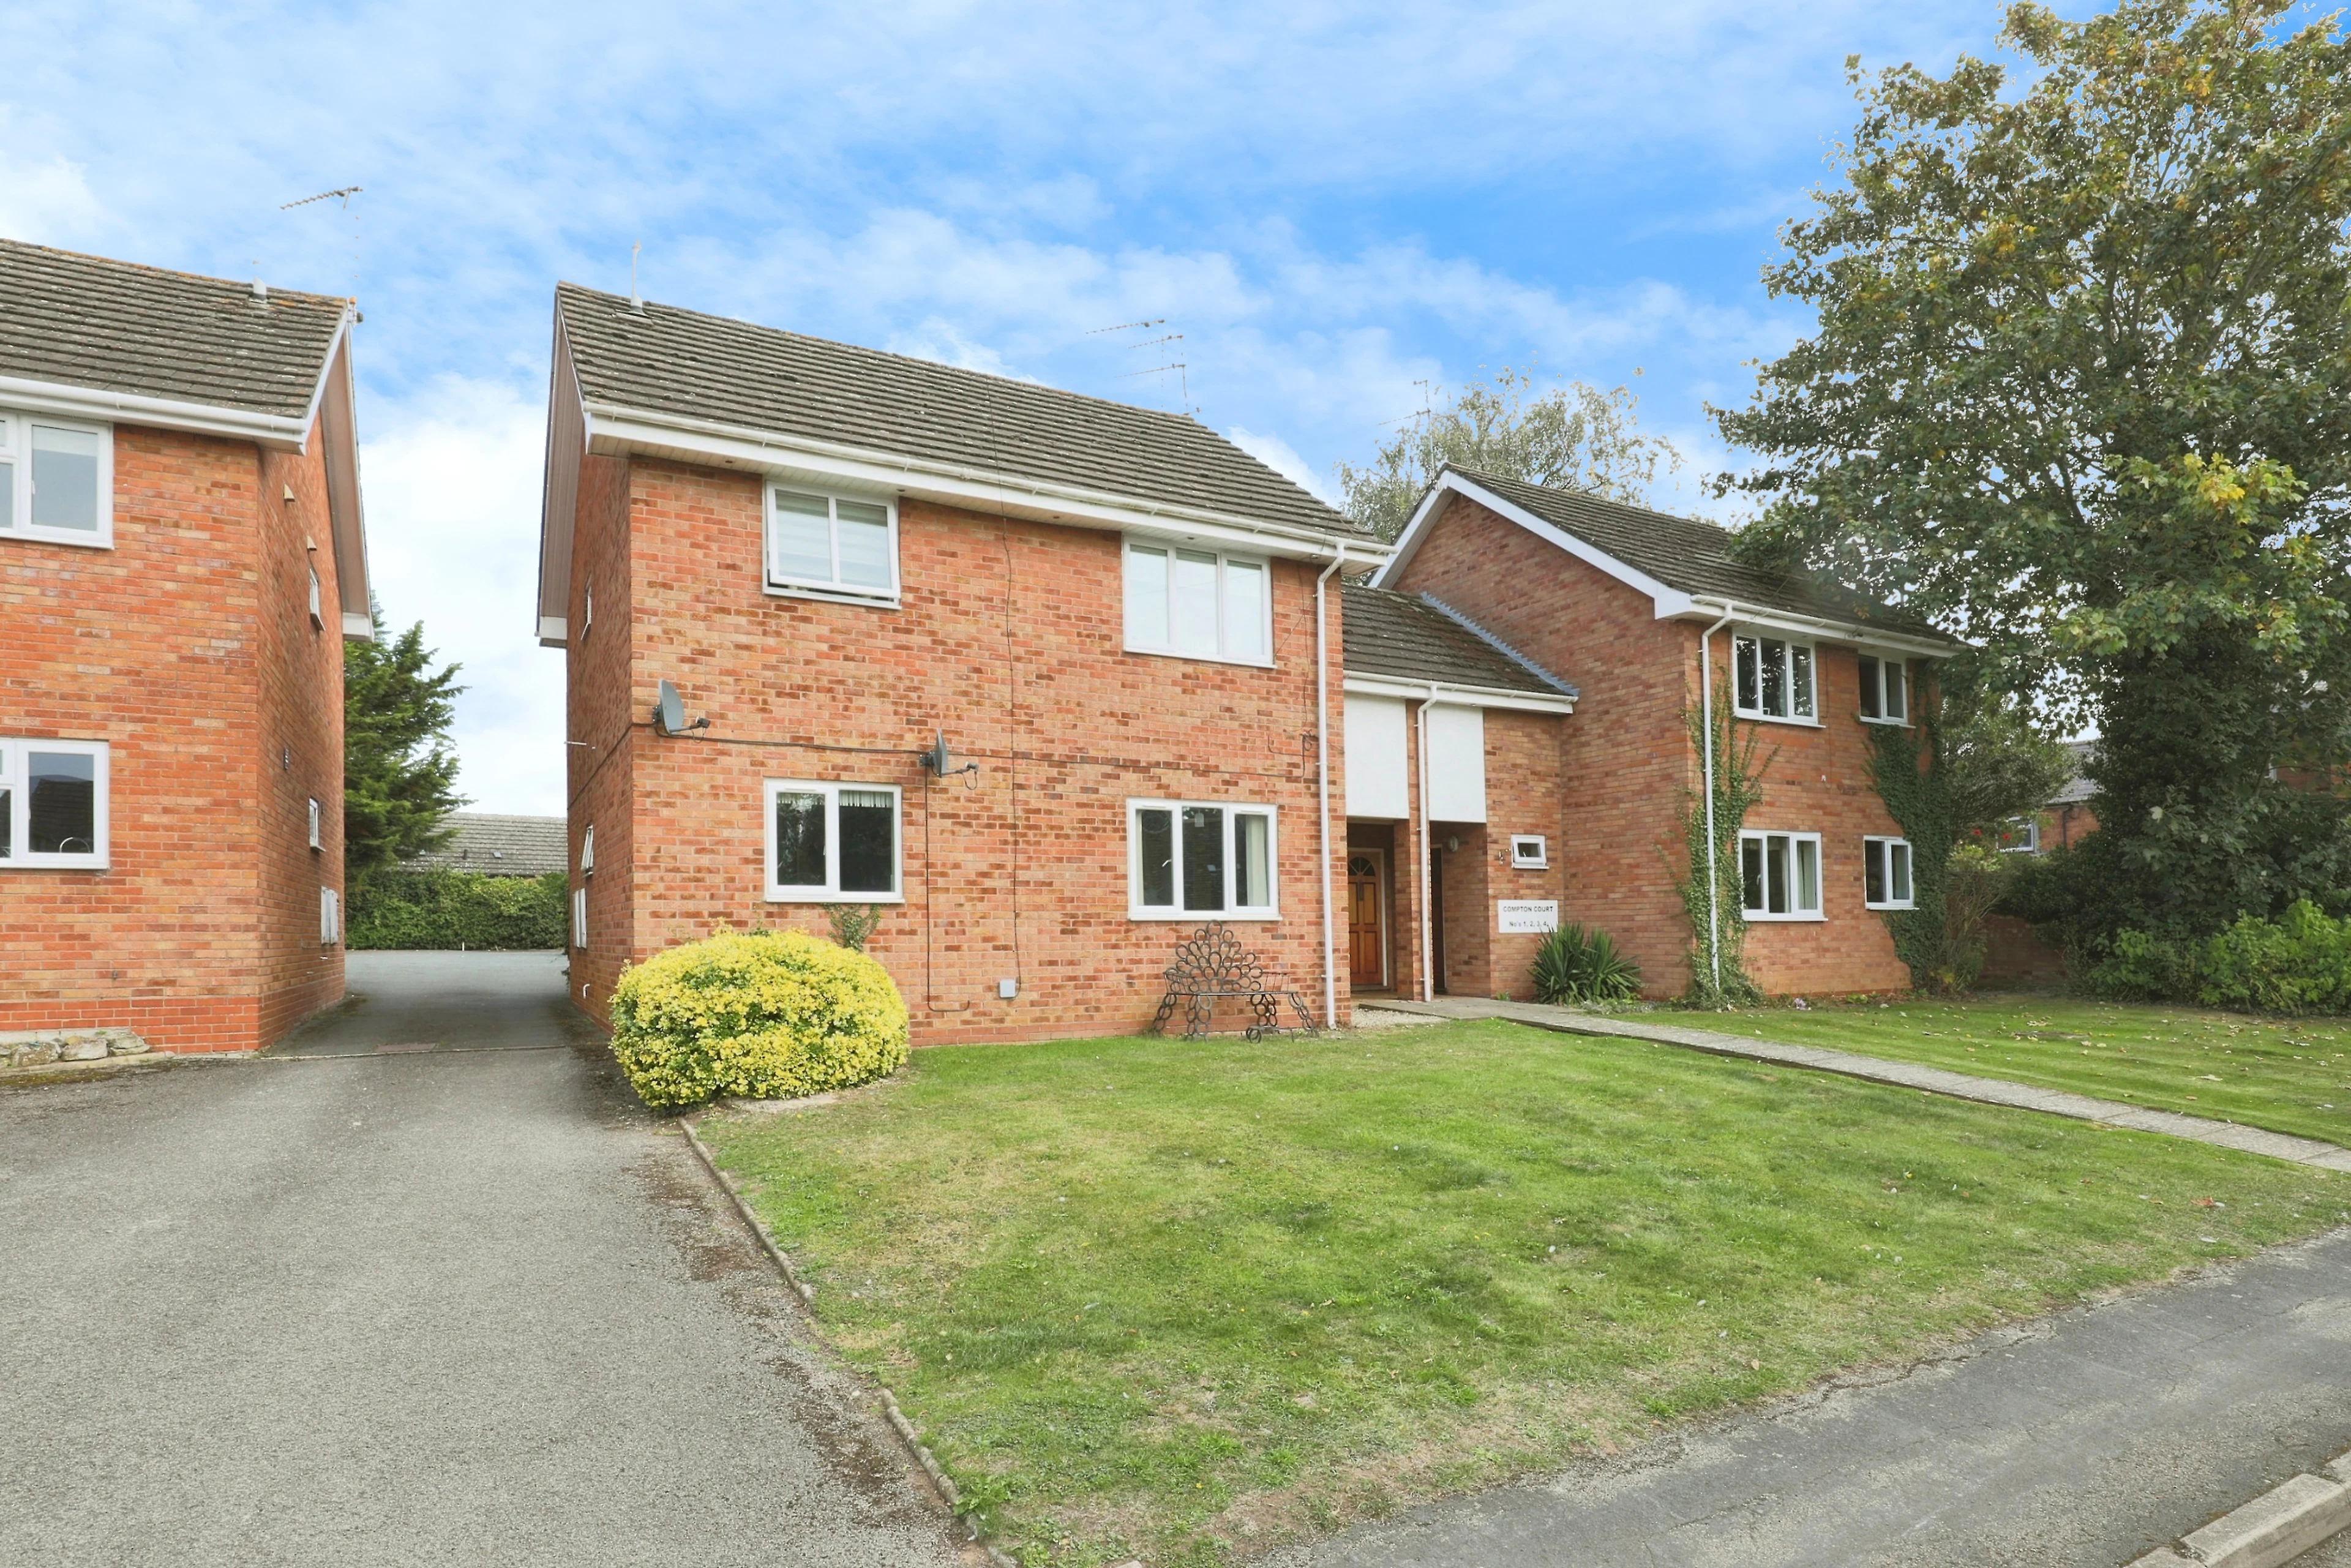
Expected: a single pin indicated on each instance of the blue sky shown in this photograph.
(1331, 203)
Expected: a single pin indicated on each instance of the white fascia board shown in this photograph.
(1744, 615)
(552, 631)
(1669, 601)
(1359, 685)
(277, 432)
(358, 628)
(614, 429)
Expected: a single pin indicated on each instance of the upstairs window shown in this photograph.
(832, 844)
(831, 547)
(1886, 873)
(588, 851)
(1885, 691)
(318, 617)
(53, 806)
(314, 827)
(1782, 875)
(1198, 857)
(1773, 678)
(57, 480)
(1197, 604)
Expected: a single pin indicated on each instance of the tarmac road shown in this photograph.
(457, 1302)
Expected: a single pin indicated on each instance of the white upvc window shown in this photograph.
(53, 804)
(1886, 873)
(57, 480)
(580, 917)
(1187, 859)
(832, 844)
(587, 609)
(1530, 852)
(331, 917)
(588, 851)
(1198, 603)
(314, 825)
(1772, 677)
(2020, 835)
(1884, 690)
(318, 614)
(831, 547)
(1780, 873)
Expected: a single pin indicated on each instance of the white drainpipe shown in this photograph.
(1706, 712)
(1323, 776)
(1428, 870)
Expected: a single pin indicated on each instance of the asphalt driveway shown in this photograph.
(426, 1288)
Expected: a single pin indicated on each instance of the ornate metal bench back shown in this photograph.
(1212, 963)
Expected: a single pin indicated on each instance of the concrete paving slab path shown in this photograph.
(2081, 1441)
(1904, 1074)
(462, 1305)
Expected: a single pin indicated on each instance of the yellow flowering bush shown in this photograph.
(768, 1015)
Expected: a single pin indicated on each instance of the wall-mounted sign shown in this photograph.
(1527, 915)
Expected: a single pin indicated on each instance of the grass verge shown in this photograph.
(1187, 1299)
(2287, 1075)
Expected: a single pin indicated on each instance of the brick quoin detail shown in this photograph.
(189, 648)
(1628, 764)
(1009, 639)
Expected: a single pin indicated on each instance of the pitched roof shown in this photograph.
(2080, 786)
(1696, 557)
(666, 361)
(90, 322)
(1413, 638)
(499, 846)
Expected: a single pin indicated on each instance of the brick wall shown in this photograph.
(174, 647)
(606, 722)
(1010, 640)
(1628, 764)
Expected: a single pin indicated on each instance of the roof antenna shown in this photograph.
(636, 300)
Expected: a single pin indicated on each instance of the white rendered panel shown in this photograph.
(1377, 779)
(1456, 764)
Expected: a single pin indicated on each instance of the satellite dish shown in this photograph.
(939, 758)
(669, 712)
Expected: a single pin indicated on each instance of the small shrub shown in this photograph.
(1576, 965)
(767, 1015)
(2143, 966)
(2298, 963)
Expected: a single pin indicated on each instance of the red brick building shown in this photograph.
(180, 558)
(1633, 606)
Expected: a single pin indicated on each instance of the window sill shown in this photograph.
(1199, 658)
(1755, 919)
(800, 895)
(38, 863)
(1774, 719)
(831, 596)
(32, 535)
(1257, 917)
(1890, 908)
(1888, 723)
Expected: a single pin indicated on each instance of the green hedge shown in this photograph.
(2298, 963)
(456, 909)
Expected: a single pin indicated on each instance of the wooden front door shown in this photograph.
(1367, 936)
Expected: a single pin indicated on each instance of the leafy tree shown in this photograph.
(2078, 389)
(1574, 436)
(1997, 763)
(399, 775)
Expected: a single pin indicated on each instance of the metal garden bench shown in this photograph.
(1212, 967)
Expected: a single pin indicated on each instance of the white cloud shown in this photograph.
(453, 540)
(51, 204)
(1279, 455)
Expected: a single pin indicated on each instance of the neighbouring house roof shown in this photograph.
(90, 322)
(499, 846)
(1415, 638)
(89, 338)
(1688, 557)
(2082, 786)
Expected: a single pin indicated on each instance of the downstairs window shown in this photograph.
(1189, 857)
(1782, 875)
(832, 844)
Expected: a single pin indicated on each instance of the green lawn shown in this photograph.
(1188, 1299)
(2291, 1076)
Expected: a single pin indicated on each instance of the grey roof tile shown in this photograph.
(1384, 632)
(499, 846)
(113, 326)
(681, 363)
(1695, 557)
